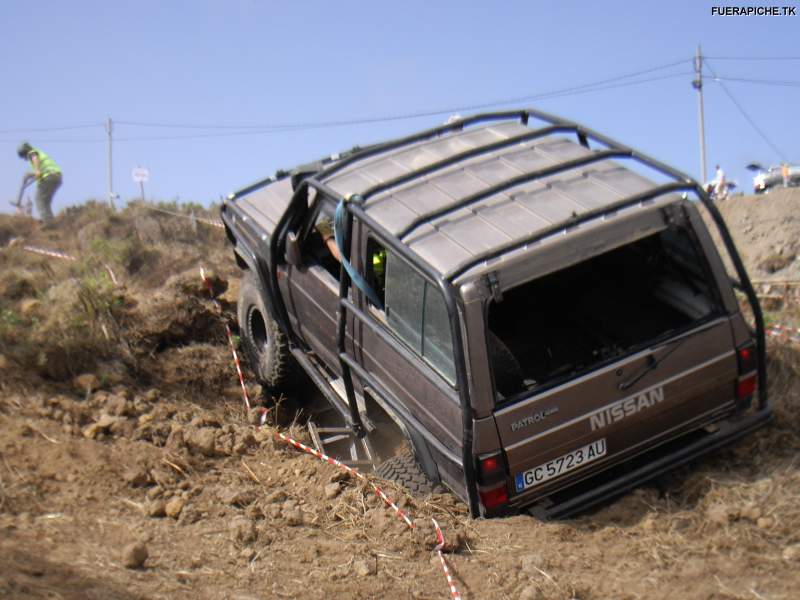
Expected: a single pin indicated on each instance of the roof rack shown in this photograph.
(613, 149)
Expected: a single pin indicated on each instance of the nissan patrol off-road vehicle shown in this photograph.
(539, 311)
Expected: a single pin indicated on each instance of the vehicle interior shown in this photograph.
(576, 319)
(314, 247)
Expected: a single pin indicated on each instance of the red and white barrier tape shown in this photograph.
(780, 327)
(783, 333)
(332, 461)
(216, 224)
(44, 252)
(439, 546)
(231, 345)
(63, 256)
(185, 216)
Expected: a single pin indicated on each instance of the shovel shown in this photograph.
(26, 182)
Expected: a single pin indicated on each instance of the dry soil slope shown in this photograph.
(766, 230)
(162, 453)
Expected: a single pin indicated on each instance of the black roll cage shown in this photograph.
(445, 282)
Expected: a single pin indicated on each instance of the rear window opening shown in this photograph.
(579, 318)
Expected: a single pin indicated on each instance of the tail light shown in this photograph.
(492, 475)
(746, 355)
(490, 466)
(491, 469)
(748, 379)
(494, 497)
(746, 387)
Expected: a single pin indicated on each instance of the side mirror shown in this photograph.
(293, 255)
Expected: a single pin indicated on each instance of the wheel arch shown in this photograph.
(419, 446)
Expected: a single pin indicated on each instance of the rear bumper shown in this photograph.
(648, 466)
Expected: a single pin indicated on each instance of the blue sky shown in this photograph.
(250, 63)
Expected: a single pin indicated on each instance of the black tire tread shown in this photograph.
(275, 368)
(404, 470)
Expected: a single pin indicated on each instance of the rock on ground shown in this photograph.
(134, 555)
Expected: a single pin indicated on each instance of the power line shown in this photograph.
(412, 115)
(753, 57)
(194, 136)
(49, 129)
(761, 81)
(330, 124)
(744, 113)
(248, 130)
(189, 126)
(61, 141)
(153, 138)
(610, 87)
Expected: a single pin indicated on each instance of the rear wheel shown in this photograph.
(263, 343)
(404, 470)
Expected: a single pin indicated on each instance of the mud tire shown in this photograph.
(404, 470)
(264, 345)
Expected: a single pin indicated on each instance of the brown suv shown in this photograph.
(545, 325)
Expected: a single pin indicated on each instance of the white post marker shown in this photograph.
(141, 175)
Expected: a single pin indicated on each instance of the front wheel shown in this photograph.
(263, 343)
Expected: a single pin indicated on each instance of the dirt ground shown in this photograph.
(130, 470)
(766, 229)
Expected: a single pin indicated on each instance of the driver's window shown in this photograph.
(319, 246)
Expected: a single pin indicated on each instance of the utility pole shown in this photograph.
(110, 131)
(698, 85)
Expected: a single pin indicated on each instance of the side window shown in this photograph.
(404, 302)
(414, 308)
(319, 245)
(437, 340)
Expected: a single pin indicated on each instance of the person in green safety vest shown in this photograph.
(47, 176)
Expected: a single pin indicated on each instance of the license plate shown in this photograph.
(562, 464)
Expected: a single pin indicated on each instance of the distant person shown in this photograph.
(47, 175)
(721, 186)
(785, 174)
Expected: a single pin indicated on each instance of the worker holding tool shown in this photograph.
(47, 176)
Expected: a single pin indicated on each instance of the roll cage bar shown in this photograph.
(308, 177)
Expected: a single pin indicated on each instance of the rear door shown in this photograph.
(409, 351)
(611, 414)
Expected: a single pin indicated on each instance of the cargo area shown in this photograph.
(578, 318)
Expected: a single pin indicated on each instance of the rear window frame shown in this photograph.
(718, 311)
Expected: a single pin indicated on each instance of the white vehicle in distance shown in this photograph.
(765, 179)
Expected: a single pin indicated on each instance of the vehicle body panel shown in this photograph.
(313, 298)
